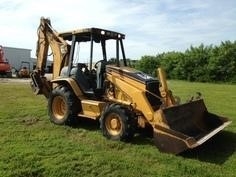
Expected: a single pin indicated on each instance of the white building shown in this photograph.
(19, 57)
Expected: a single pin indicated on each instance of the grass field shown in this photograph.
(31, 146)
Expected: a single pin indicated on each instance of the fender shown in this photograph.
(69, 82)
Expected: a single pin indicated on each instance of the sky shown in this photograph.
(151, 26)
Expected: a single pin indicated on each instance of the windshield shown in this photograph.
(82, 52)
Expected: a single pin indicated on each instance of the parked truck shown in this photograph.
(5, 67)
(24, 70)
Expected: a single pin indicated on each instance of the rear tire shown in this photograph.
(117, 123)
(63, 106)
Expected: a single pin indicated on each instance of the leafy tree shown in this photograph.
(171, 62)
(202, 63)
(148, 64)
(196, 62)
(222, 65)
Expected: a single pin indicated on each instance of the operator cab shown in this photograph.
(90, 74)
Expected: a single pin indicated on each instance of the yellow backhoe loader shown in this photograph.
(121, 98)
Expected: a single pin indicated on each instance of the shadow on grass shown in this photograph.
(88, 124)
(141, 139)
(217, 150)
(142, 136)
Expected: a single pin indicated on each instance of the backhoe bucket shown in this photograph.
(40, 84)
(186, 126)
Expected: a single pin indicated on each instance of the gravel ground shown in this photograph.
(14, 80)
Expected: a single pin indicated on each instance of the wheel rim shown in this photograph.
(59, 107)
(113, 124)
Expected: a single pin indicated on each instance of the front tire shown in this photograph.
(117, 123)
(62, 106)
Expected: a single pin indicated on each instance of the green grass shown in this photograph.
(31, 146)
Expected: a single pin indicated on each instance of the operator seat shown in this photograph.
(82, 81)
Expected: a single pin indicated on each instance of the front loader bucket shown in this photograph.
(186, 126)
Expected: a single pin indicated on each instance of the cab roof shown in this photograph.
(84, 35)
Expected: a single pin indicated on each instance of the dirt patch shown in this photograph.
(30, 121)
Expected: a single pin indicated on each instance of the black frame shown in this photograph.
(95, 35)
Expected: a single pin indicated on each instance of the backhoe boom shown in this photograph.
(48, 37)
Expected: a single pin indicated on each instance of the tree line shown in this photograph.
(202, 63)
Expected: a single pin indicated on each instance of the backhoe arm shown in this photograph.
(48, 37)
